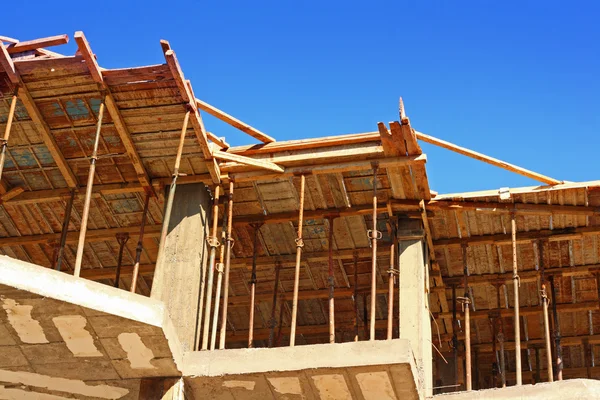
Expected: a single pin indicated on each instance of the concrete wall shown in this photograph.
(178, 276)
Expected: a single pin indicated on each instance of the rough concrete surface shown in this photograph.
(572, 389)
(356, 370)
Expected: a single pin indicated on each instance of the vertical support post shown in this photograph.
(220, 267)
(374, 235)
(88, 194)
(140, 246)
(516, 284)
(391, 277)
(171, 196)
(299, 245)
(7, 129)
(213, 242)
(253, 287)
(227, 266)
(454, 337)
(122, 239)
(355, 296)
(331, 282)
(63, 233)
(538, 375)
(544, 296)
(559, 363)
(494, 350)
(466, 301)
(273, 321)
(500, 339)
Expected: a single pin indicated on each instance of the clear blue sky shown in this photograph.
(516, 80)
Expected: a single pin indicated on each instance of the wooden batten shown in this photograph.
(38, 44)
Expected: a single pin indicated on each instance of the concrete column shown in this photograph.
(414, 315)
(178, 277)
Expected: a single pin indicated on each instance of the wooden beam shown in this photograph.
(41, 126)
(552, 235)
(524, 276)
(195, 118)
(38, 44)
(506, 208)
(93, 235)
(222, 155)
(113, 110)
(487, 159)
(333, 168)
(10, 194)
(236, 123)
(7, 64)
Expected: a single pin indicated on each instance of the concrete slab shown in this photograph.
(356, 370)
(65, 337)
(561, 390)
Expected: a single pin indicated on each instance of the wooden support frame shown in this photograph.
(113, 111)
(37, 119)
(223, 155)
(236, 123)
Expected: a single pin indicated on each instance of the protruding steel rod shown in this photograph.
(227, 266)
(516, 282)
(220, 268)
(331, 281)
(63, 234)
(213, 242)
(299, 245)
(557, 337)
(391, 277)
(140, 246)
(253, 287)
(88, 194)
(122, 239)
(7, 129)
(466, 306)
(355, 297)
(544, 296)
(171, 196)
(374, 236)
(273, 320)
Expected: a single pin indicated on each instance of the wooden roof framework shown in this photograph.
(53, 128)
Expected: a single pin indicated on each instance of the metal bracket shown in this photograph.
(213, 241)
(299, 242)
(374, 234)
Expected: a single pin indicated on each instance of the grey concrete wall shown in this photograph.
(415, 325)
(178, 276)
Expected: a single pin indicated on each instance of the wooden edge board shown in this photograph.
(7, 64)
(38, 43)
(487, 159)
(222, 155)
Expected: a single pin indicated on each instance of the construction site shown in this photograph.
(143, 257)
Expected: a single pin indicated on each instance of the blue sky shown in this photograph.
(515, 80)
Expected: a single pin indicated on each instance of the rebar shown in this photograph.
(122, 239)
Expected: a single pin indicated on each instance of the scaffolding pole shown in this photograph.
(253, 287)
(7, 129)
(122, 239)
(273, 320)
(140, 246)
(88, 194)
(355, 296)
(391, 277)
(227, 266)
(299, 245)
(516, 284)
(331, 282)
(544, 296)
(220, 268)
(63, 234)
(557, 337)
(466, 303)
(213, 242)
(374, 235)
